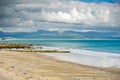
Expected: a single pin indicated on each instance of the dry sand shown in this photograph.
(32, 66)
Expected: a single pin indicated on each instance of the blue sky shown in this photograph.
(59, 15)
(99, 1)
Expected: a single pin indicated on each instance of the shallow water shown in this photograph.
(100, 53)
(112, 46)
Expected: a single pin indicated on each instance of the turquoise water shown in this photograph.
(100, 53)
(112, 46)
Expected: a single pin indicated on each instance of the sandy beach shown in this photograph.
(32, 66)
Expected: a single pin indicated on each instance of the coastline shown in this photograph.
(33, 66)
(86, 57)
(79, 56)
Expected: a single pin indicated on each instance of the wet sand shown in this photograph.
(32, 66)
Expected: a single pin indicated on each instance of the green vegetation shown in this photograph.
(28, 48)
(44, 51)
(13, 45)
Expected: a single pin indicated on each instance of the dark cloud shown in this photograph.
(6, 11)
(8, 2)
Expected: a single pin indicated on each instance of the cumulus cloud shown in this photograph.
(95, 15)
(104, 14)
(57, 14)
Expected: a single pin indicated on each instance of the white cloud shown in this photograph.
(90, 14)
(59, 16)
(0, 29)
(36, 14)
(28, 23)
(94, 15)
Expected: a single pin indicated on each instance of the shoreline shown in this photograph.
(85, 57)
(90, 58)
(33, 66)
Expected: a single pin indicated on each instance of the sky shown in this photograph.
(60, 15)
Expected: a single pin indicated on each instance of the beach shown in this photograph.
(31, 66)
(59, 39)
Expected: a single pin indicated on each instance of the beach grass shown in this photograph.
(43, 51)
(14, 45)
(28, 48)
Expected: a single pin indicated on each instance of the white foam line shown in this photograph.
(92, 58)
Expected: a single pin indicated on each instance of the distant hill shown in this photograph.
(43, 34)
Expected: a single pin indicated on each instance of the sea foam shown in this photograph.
(91, 58)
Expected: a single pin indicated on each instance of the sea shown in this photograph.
(99, 53)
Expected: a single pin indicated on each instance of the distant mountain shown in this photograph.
(43, 34)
